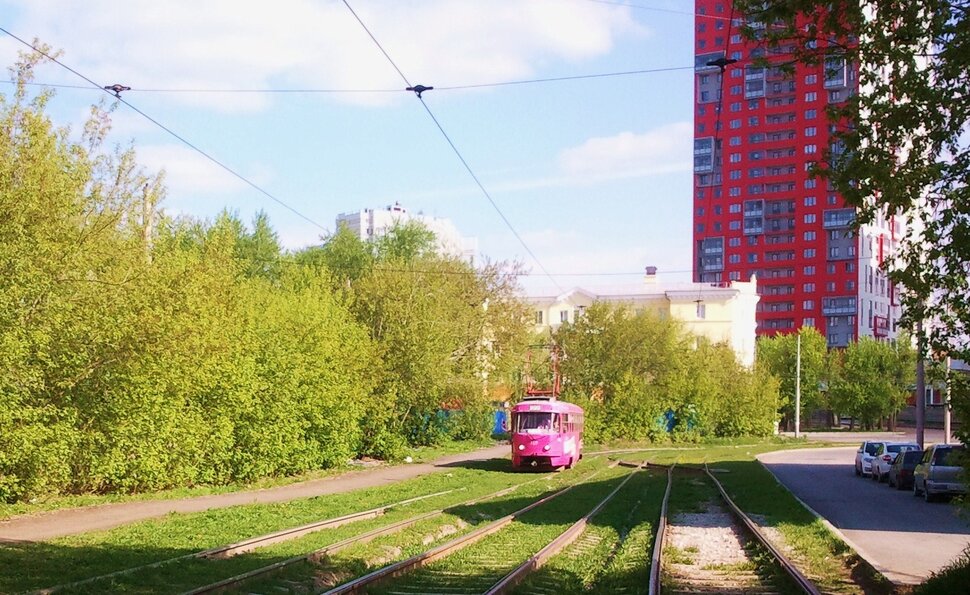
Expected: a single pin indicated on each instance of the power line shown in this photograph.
(566, 78)
(169, 131)
(454, 148)
(658, 9)
(310, 91)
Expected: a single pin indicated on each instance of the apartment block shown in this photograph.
(370, 224)
(757, 210)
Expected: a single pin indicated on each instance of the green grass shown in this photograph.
(76, 557)
(49, 503)
(72, 558)
(604, 558)
(360, 559)
(346, 564)
(485, 562)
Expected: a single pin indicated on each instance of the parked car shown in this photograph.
(884, 456)
(901, 472)
(863, 456)
(938, 473)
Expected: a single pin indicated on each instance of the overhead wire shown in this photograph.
(454, 148)
(308, 91)
(171, 132)
(657, 9)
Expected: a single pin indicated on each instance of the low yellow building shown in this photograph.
(724, 313)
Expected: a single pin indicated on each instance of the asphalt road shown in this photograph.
(904, 537)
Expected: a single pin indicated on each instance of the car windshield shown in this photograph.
(900, 447)
(946, 457)
(871, 448)
(542, 421)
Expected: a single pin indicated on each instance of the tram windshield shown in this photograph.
(536, 422)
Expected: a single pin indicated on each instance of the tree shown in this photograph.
(637, 374)
(901, 146)
(778, 356)
(872, 380)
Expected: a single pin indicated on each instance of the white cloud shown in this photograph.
(625, 154)
(189, 173)
(314, 44)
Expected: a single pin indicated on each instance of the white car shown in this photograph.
(884, 456)
(863, 456)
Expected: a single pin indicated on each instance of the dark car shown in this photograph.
(901, 472)
(939, 473)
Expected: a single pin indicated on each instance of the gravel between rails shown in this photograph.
(707, 552)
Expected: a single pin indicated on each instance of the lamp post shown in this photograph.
(946, 405)
(920, 384)
(798, 384)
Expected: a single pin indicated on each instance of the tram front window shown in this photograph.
(536, 422)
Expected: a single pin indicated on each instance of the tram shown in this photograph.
(546, 432)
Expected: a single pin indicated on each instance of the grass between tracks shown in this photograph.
(323, 572)
(31, 566)
(613, 553)
(49, 503)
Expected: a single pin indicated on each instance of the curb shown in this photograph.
(863, 554)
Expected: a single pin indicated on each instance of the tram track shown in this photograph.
(333, 563)
(745, 560)
(248, 545)
(506, 552)
(265, 575)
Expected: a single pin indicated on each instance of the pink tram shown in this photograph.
(546, 432)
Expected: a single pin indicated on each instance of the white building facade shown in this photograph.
(370, 224)
(723, 313)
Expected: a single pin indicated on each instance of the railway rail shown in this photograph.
(381, 575)
(746, 582)
(238, 580)
(234, 549)
(492, 569)
(501, 564)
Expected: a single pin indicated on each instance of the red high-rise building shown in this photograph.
(758, 210)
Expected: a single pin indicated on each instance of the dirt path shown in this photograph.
(58, 523)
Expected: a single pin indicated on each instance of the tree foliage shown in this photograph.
(140, 351)
(778, 355)
(634, 372)
(871, 379)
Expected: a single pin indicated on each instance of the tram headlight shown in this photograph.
(522, 447)
(545, 448)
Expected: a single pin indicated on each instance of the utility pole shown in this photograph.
(946, 405)
(798, 384)
(920, 384)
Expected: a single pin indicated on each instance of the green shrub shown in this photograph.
(951, 580)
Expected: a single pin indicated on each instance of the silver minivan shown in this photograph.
(939, 473)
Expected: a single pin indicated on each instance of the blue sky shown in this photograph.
(593, 174)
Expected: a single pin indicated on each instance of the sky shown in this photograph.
(594, 175)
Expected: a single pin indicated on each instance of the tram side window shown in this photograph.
(572, 422)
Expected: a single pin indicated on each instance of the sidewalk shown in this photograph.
(58, 523)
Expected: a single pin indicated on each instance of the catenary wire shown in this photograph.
(658, 9)
(185, 141)
(455, 149)
(308, 263)
(577, 77)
